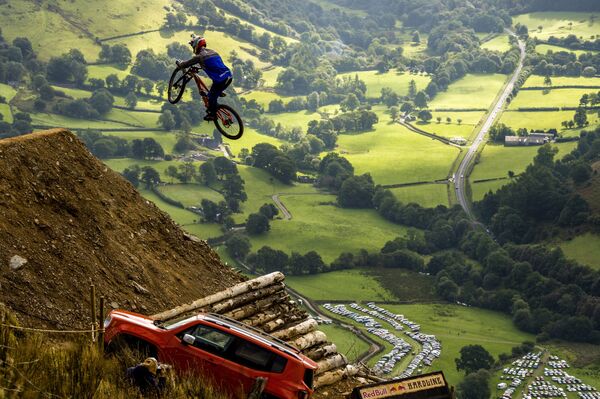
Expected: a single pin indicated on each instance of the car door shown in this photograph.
(208, 355)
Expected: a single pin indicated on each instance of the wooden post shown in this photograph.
(93, 309)
(257, 389)
(101, 334)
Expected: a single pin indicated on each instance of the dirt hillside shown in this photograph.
(67, 220)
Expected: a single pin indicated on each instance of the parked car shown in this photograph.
(214, 346)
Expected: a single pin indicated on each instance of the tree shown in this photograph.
(473, 358)
(421, 100)
(439, 119)
(238, 246)
(357, 192)
(150, 176)
(210, 210)
(102, 101)
(416, 38)
(208, 175)
(187, 171)
(257, 223)
(313, 101)
(315, 262)
(172, 172)
(350, 103)
(131, 100)
(475, 386)
(589, 72)
(269, 210)
(580, 117)
(132, 174)
(448, 120)
(459, 121)
(412, 88)
(425, 115)
(167, 120)
(268, 260)
(547, 81)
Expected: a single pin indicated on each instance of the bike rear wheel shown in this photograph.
(228, 122)
(177, 85)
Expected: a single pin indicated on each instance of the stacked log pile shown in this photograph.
(263, 303)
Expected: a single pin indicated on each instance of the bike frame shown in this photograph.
(222, 114)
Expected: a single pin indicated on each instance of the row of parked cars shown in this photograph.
(430, 346)
(541, 388)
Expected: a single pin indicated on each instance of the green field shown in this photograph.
(393, 154)
(499, 43)
(54, 120)
(204, 230)
(427, 195)
(357, 286)
(406, 285)
(585, 249)
(397, 81)
(120, 164)
(550, 98)
(265, 97)
(49, 33)
(545, 48)
(294, 119)
(330, 5)
(448, 130)
(270, 75)
(329, 230)
(179, 215)
(480, 189)
(472, 91)
(457, 326)
(557, 24)
(346, 341)
(496, 160)
(538, 81)
(190, 194)
(543, 120)
(8, 93)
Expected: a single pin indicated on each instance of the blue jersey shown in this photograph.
(212, 63)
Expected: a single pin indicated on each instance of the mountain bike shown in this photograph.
(227, 120)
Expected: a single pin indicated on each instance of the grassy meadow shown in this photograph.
(499, 43)
(538, 81)
(550, 98)
(319, 225)
(393, 154)
(585, 249)
(427, 195)
(545, 48)
(560, 24)
(457, 326)
(471, 91)
(397, 81)
(480, 189)
(358, 286)
(346, 341)
(8, 93)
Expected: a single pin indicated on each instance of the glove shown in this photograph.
(178, 63)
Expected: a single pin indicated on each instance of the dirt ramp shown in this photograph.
(67, 220)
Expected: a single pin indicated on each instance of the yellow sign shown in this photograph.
(403, 387)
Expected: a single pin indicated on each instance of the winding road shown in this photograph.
(462, 173)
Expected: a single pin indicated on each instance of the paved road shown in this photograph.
(284, 211)
(460, 178)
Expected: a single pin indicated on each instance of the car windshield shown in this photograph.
(177, 322)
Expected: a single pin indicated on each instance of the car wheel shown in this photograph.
(131, 348)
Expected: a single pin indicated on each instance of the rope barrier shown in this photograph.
(51, 331)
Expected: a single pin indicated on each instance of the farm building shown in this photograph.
(515, 141)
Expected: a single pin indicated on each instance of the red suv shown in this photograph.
(233, 354)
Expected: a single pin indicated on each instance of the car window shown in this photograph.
(210, 339)
(258, 358)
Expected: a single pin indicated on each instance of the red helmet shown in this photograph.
(197, 43)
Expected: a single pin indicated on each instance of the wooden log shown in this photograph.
(261, 318)
(309, 340)
(319, 352)
(331, 377)
(241, 300)
(329, 363)
(238, 289)
(273, 325)
(253, 308)
(299, 329)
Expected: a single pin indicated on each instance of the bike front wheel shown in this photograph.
(228, 122)
(176, 85)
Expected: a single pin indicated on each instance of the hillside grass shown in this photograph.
(500, 43)
(346, 341)
(471, 91)
(551, 98)
(426, 195)
(251, 138)
(294, 119)
(265, 97)
(397, 81)
(358, 285)
(496, 159)
(406, 285)
(585, 249)
(457, 326)
(55, 120)
(393, 154)
(544, 120)
(49, 33)
(270, 74)
(318, 225)
(448, 130)
(556, 23)
(480, 189)
(538, 81)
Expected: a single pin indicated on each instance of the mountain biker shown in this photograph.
(215, 68)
